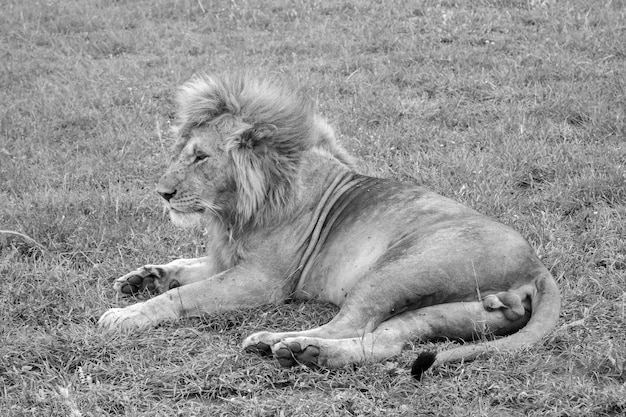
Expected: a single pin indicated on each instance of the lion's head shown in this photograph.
(239, 145)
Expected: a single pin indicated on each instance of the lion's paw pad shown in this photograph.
(136, 284)
(291, 354)
(148, 278)
(262, 349)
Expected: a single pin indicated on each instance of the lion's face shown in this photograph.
(222, 170)
(238, 153)
(197, 184)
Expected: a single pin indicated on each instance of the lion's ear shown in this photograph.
(256, 135)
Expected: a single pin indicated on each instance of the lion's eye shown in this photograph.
(200, 156)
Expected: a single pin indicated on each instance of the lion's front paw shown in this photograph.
(293, 351)
(129, 318)
(149, 277)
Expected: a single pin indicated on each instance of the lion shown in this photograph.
(288, 216)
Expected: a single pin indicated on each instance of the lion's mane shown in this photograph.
(272, 129)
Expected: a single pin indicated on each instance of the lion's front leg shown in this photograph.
(158, 279)
(233, 289)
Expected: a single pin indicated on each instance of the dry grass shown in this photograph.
(515, 107)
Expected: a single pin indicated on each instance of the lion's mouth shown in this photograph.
(183, 212)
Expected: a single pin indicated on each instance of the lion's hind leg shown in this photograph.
(158, 279)
(462, 320)
(341, 327)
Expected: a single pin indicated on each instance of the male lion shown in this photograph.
(288, 217)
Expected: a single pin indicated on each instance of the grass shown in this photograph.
(514, 107)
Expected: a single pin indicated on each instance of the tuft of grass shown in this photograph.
(514, 107)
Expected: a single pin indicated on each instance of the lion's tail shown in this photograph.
(546, 305)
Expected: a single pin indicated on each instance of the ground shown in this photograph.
(514, 107)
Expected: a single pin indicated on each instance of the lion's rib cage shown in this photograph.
(328, 212)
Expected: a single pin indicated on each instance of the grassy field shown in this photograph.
(514, 107)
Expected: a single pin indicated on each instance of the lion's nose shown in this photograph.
(166, 192)
(166, 187)
(167, 196)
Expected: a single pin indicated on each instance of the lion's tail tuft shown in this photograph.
(422, 363)
(546, 305)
